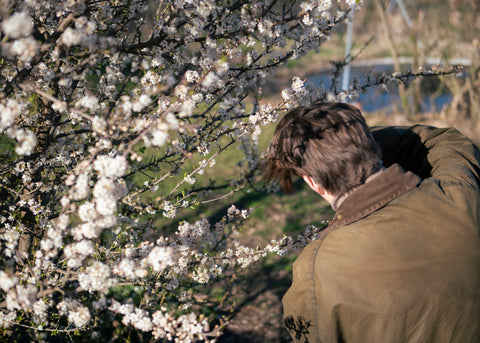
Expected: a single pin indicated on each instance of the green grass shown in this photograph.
(274, 214)
(7, 146)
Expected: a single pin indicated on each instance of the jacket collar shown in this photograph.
(376, 193)
(339, 199)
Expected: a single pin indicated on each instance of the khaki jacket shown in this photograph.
(400, 262)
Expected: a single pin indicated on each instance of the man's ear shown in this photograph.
(313, 184)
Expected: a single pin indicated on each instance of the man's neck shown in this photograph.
(336, 201)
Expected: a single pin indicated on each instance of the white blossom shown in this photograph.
(89, 102)
(77, 252)
(40, 311)
(95, 278)
(99, 124)
(160, 258)
(142, 102)
(201, 275)
(106, 206)
(79, 316)
(191, 234)
(81, 188)
(211, 80)
(297, 84)
(191, 76)
(106, 188)
(159, 135)
(26, 142)
(8, 112)
(87, 212)
(71, 37)
(106, 221)
(7, 282)
(189, 179)
(139, 319)
(18, 25)
(171, 121)
(221, 67)
(25, 49)
(111, 166)
(6, 320)
(169, 210)
(21, 297)
(87, 230)
(127, 268)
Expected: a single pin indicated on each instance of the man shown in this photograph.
(400, 261)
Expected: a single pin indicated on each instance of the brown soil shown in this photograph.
(260, 318)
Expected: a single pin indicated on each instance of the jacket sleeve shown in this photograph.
(306, 317)
(299, 302)
(442, 153)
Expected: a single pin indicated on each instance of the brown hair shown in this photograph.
(330, 142)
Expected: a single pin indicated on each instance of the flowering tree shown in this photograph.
(110, 112)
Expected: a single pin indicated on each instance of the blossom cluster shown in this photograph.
(95, 96)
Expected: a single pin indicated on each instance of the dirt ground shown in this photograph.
(260, 320)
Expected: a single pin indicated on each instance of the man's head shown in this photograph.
(328, 142)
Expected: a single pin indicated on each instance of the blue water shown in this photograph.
(377, 98)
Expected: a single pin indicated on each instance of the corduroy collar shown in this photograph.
(388, 185)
